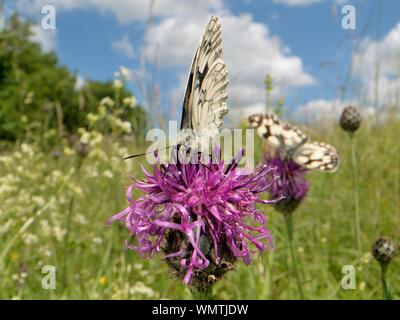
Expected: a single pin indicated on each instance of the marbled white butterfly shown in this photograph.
(291, 143)
(204, 104)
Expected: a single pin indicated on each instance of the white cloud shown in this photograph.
(377, 65)
(364, 67)
(237, 115)
(127, 10)
(124, 47)
(46, 38)
(293, 3)
(249, 50)
(322, 110)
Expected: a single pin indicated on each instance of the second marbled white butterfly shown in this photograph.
(291, 143)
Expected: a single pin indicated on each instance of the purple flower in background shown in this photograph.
(292, 183)
(202, 216)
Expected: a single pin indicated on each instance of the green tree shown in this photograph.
(38, 94)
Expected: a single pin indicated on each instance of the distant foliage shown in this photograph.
(37, 94)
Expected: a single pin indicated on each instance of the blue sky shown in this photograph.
(310, 52)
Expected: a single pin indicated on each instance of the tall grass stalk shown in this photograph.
(353, 143)
(289, 232)
(66, 244)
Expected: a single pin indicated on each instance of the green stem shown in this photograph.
(206, 294)
(356, 196)
(66, 244)
(386, 291)
(289, 231)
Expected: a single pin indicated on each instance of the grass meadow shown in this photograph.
(53, 210)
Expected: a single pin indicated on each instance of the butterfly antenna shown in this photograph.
(145, 153)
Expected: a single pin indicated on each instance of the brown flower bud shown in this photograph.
(384, 250)
(82, 149)
(201, 279)
(350, 120)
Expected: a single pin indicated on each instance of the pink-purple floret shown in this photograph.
(291, 182)
(197, 198)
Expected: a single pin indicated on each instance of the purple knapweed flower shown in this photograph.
(202, 216)
(291, 183)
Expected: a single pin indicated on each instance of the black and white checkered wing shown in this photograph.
(280, 135)
(205, 99)
(317, 156)
(291, 143)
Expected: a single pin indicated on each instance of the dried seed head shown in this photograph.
(47, 106)
(201, 279)
(82, 149)
(350, 119)
(384, 250)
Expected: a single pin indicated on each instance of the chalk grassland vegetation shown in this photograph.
(56, 194)
(53, 213)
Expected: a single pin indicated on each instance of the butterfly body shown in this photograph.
(291, 143)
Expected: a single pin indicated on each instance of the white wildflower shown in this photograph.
(141, 289)
(97, 240)
(92, 118)
(59, 233)
(26, 148)
(107, 102)
(80, 219)
(85, 138)
(45, 227)
(124, 72)
(4, 227)
(366, 258)
(130, 102)
(29, 97)
(118, 84)
(108, 174)
(68, 151)
(30, 238)
(39, 201)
